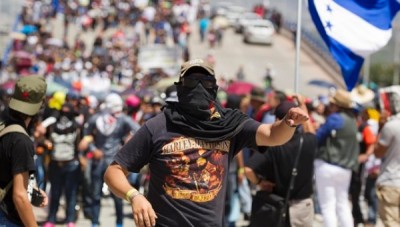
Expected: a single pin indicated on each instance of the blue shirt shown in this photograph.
(333, 122)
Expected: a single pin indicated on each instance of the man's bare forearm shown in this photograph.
(115, 178)
(24, 209)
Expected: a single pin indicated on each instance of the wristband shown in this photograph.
(88, 139)
(241, 170)
(131, 194)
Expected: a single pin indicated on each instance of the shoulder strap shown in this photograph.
(294, 174)
(13, 128)
(3, 191)
(296, 162)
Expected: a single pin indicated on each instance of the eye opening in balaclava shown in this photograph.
(197, 100)
(192, 80)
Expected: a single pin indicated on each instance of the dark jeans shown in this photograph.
(97, 173)
(372, 199)
(86, 191)
(64, 177)
(355, 191)
(4, 222)
(40, 172)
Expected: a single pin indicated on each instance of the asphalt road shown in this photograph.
(256, 58)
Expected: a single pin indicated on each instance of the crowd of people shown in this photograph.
(340, 159)
(203, 152)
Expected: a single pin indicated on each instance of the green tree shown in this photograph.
(382, 74)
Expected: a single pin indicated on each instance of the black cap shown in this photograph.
(283, 108)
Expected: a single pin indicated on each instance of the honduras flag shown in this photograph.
(353, 29)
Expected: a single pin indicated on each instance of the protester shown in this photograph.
(366, 141)
(372, 167)
(272, 170)
(104, 133)
(132, 103)
(257, 101)
(388, 182)
(268, 79)
(64, 169)
(17, 151)
(317, 112)
(188, 148)
(203, 26)
(336, 159)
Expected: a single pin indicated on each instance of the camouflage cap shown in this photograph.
(29, 95)
(196, 63)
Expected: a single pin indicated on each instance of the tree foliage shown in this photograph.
(382, 74)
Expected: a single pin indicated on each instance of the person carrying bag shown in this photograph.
(272, 209)
(285, 176)
(16, 154)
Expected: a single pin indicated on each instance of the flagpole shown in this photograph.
(367, 65)
(298, 41)
(396, 56)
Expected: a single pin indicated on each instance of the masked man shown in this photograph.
(104, 133)
(17, 151)
(188, 148)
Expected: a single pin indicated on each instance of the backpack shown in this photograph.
(4, 130)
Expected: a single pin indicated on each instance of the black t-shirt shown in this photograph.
(188, 176)
(276, 165)
(16, 156)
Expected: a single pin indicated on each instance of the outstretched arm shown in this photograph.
(281, 131)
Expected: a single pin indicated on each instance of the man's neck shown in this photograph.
(27, 121)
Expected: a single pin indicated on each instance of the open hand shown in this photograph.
(143, 212)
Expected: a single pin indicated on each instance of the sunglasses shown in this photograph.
(208, 82)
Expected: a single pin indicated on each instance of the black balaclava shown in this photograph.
(66, 120)
(199, 114)
(197, 101)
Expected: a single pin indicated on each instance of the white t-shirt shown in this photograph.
(390, 167)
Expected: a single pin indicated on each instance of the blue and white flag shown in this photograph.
(353, 29)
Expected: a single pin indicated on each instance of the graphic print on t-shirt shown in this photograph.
(197, 168)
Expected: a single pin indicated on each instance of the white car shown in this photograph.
(260, 31)
(233, 13)
(244, 20)
(220, 8)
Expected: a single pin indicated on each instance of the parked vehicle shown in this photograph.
(244, 20)
(259, 31)
(233, 13)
